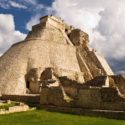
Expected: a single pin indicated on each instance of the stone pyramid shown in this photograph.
(51, 49)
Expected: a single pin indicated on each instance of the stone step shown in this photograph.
(87, 112)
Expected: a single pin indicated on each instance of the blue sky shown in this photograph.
(102, 20)
(23, 14)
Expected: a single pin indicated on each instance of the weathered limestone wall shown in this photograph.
(33, 54)
(31, 98)
(100, 60)
(53, 96)
(105, 99)
(118, 81)
(44, 54)
(84, 68)
(12, 79)
(46, 32)
(93, 63)
(83, 97)
(92, 67)
(87, 98)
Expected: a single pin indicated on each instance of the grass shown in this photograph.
(41, 117)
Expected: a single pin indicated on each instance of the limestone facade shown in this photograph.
(51, 44)
(56, 62)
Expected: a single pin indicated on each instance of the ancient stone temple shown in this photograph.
(56, 61)
(51, 46)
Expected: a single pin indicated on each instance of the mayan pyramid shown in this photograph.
(52, 44)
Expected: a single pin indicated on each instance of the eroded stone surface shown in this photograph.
(55, 61)
(54, 46)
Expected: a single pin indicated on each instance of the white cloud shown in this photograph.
(4, 4)
(112, 27)
(17, 5)
(8, 4)
(8, 34)
(77, 13)
(28, 5)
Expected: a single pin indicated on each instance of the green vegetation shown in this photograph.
(41, 117)
(6, 105)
